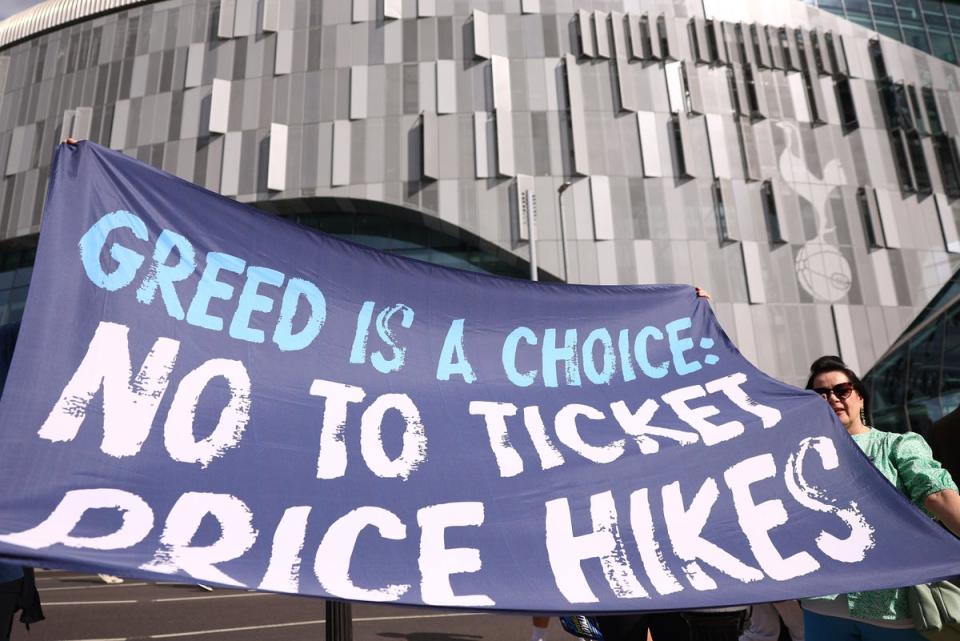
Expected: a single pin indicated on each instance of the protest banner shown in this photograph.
(204, 391)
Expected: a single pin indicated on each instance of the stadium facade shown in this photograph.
(801, 167)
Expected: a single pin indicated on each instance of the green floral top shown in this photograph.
(908, 463)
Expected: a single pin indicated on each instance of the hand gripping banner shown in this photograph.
(207, 392)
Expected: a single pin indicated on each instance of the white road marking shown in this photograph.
(211, 597)
(94, 587)
(273, 626)
(72, 576)
(45, 603)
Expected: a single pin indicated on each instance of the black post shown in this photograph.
(339, 626)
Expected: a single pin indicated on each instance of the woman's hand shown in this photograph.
(945, 505)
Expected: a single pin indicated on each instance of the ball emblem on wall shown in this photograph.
(823, 271)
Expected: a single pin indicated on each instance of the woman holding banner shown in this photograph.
(907, 462)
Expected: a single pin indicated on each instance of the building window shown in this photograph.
(698, 36)
(713, 46)
(848, 111)
(790, 59)
(646, 44)
(720, 211)
(837, 61)
(888, 393)
(946, 152)
(916, 110)
(894, 97)
(933, 114)
(678, 145)
(753, 100)
(742, 44)
(900, 161)
(817, 53)
(869, 217)
(734, 93)
(771, 214)
(691, 91)
(662, 35)
(757, 37)
(876, 55)
(16, 268)
(918, 161)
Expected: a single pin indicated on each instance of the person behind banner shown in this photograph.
(768, 620)
(907, 462)
(713, 624)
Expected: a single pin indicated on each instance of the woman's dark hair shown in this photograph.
(835, 364)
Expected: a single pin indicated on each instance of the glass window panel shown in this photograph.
(887, 385)
(859, 9)
(933, 13)
(886, 17)
(950, 387)
(915, 36)
(942, 47)
(909, 11)
(22, 276)
(953, 15)
(926, 349)
(863, 21)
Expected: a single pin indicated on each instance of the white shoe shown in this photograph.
(109, 578)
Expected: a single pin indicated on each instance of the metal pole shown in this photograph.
(532, 231)
(339, 621)
(563, 229)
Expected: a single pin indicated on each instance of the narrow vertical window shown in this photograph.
(879, 64)
(899, 146)
(680, 157)
(868, 215)
(662, 36)
(848, 111)
(918, 162)
(771, 213)
(946, 153)
(917, 111)
(720, 211)
(933, 114)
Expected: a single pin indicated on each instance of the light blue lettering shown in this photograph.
(164, 276)
(603, 376)
(283, 334)
(626, 363)
(641, 347)
(210, 288)
(128, 261)
(252, 301)
(680, 345)
(509, 356)
(377, 359)
(566, 354)
(453, 349)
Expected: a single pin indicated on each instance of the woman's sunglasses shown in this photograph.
(841, 390)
